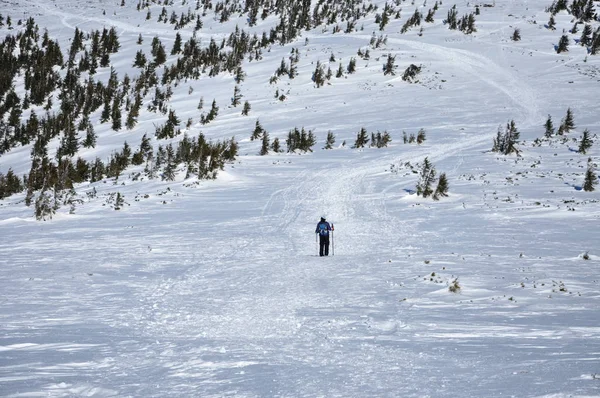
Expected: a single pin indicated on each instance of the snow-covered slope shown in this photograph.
(214, 287)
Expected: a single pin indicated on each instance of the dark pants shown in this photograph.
(323, 245)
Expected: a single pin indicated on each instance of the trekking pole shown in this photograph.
(332, 245)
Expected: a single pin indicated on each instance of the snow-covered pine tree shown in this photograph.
(591, 180)
(362, 139)
(567, 124)
(330, 140)
(426, 179)
(276, 145)
(549, 127)
(421, 136)
(257, 132)
(516, 36)
(442, 187)
(389, 68)
(237, 96)
(586, 142)
(246, 108)
(563, 44)
(506, 140)
(264, 150)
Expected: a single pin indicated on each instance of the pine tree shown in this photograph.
(44, 206)
(171, 166)
(176, 45)
(276, 145)
(410, 74)
(591, 180)
(549, 127)
(390, 67)
(442, 188)
(246, 108)
(330, 140)
(421, 136)
(552, 23)
(351, 66)
(319, 75)
(340, 72)
(426, 179)
(567, 124)
(119, 201)
(563, 44)
(516, 36)
(506, 140)
(586, 142)
(586, 35)
(264, 150)
(237, 96)
(361, 139)
(258, 131)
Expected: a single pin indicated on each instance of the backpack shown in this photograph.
(323, 229)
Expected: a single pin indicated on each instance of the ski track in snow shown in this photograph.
(220, 292)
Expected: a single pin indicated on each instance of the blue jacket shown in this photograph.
(323, 228)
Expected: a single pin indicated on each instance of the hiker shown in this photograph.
(323, 229)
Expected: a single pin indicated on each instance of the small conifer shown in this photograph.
(591, 180)
(586, 142)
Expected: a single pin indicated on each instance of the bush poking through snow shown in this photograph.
(410, 74)
(585, 256)
(454, 286)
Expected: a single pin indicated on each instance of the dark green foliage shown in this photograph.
(176, 45)
(452, 18)
(411, 73)
(9, 184)
(390, 67)
(595, 44)
(430, 15)
(586, 142)
(45, 206)
(567, 124)
(361, 139)
(552, 23)
(586, 35)
(257, 132)
(140, 59)
(351, 66)
(563, 44)
(591, 180)
(170, 128)
(380, 140)
(506, 140)
(318, 76)
(300, 140)
(237, 96)
(414, 20)
(549, 127)
(330, 140)
(171, 165)
(119, 201)
(246, 108)
(426, 179)
(264, 149)
(212, 114)
(420, 136)
(276, 146)
(442, 188)
(467, 24)
(516, 36)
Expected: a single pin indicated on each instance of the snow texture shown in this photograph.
(214, 288)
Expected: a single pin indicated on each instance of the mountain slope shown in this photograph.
(201, 287)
